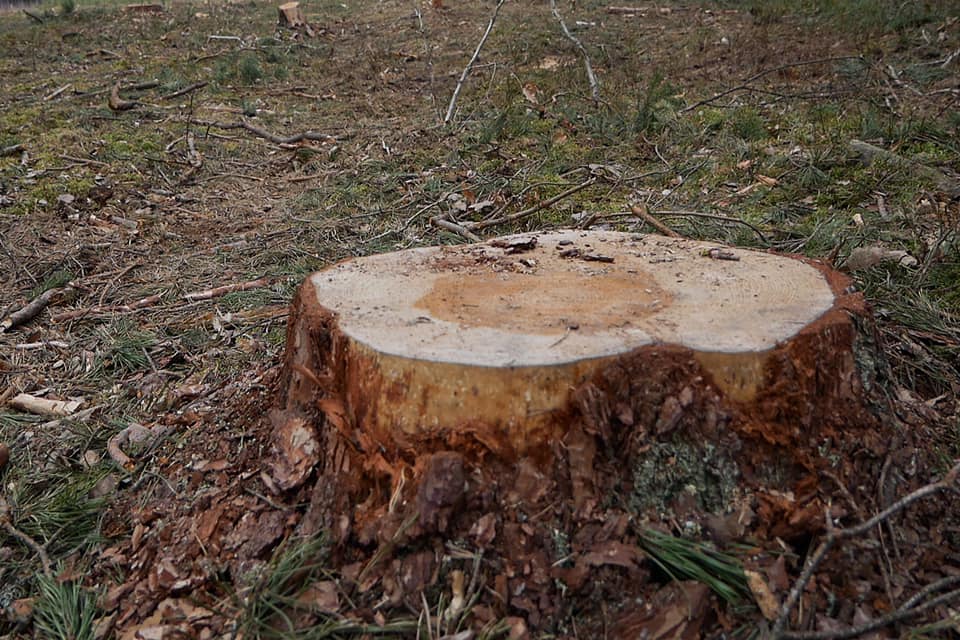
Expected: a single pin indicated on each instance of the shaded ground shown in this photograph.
(129, 211)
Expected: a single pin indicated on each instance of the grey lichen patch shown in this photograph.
(682, 469)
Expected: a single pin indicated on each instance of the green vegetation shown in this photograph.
(685, 559)
(64, 610)
(271, 606)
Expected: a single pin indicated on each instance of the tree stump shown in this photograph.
(572, 373)
(290, 16)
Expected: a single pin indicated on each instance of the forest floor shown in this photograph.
(170, 173)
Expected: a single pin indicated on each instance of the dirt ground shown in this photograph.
(170, 173)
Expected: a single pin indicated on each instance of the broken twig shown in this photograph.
(185, 90)
(53, 94)
(746, 83)
(835, 535)
(643, 212)
(591, 77)
(116, 103)
(44, 406)
(73, 314)
(715, 216)
(266, 135)
(513, 217)
(38, 549)
(216, 292)
(460, 230)
(32, 310)
(473, 59)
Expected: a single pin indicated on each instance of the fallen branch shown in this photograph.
(898, 615)
(745, 84)
(32, 310)
(591, 77)
(216, 292)
(53, 94)
(73, 314)
(443, 223)
(715, 216)
(30, 346)
(834, 535)
(33, 16)
(466, 70)
(513, 217)
(24, 538)
(185, 90)
(43, 406)
(643, 212)
(116, 103)
(266, 135)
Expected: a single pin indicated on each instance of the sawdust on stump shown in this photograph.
(537, 396)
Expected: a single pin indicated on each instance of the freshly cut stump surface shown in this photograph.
(492, 337)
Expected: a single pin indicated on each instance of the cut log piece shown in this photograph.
(572, 363)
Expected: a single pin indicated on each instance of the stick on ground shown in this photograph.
(216, 292)
(266, 135)
(591, 77)
(642, 211)
(466, 70)
(32, 310)
(460, 230)
(116, 103)
(513, 217)
(908, 609)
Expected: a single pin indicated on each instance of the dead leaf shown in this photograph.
(530, 92)
(484, 530)
(614, 553)
(767, 602)
(322, 597)
(678, 612)
(549, 63)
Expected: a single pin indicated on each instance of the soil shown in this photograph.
(131, 210)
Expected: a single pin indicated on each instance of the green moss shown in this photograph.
(669, 469)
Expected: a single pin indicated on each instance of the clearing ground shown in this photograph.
(152, 154)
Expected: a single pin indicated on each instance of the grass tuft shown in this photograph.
(683, 558)
(127, 348)
(64, 610)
